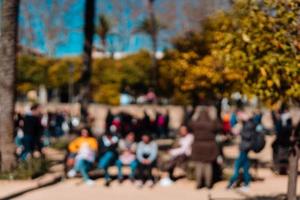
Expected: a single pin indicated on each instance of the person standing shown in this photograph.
(204, 148)
(246, 144)
(33, 130)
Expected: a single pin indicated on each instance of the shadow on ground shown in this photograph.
(277, 197)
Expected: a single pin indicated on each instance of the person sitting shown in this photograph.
(146, 156)
(108, 154)
(180, 154)
(83, 149)
(127, 150)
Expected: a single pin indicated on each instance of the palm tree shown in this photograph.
(151, 27)
(88, 29)
(103, 30)
(8, 62)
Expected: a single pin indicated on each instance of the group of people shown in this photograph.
(122, 123)
(131, 142)
(196, 143)
(33, 129)
(110, 150)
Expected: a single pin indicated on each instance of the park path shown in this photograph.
(74, 190)
(271, 185)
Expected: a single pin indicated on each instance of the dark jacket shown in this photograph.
(247, 135)
(33, 126)
(108, 145)
(204, 148)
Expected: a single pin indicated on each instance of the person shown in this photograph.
(108, 154)
(283, 128)
(160, 126)
(127, 150)
(248, 130)
(204, 148)
(32, 132)
(146, 156)
(179, 155)
(83, 149)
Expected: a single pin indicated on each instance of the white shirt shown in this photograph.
(185, 144)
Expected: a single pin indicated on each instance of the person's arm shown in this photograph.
(94, 145)
(153, 153)
(139, 152)
(74, 146)
(121, 146)
(186, 145)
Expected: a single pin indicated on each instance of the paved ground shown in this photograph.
(75, 190)
(270, 187)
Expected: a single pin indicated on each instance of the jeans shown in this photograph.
(28, 144)
(83, 166)
(133, 166)
(105, 161)
(241, 162)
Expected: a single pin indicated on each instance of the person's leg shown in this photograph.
(208, 174)
(27, 143)
(141, 173)
(246, 167)
(237, 166)
(104, 163)
(199, 173)
(119, 166)
(133, 167)
(82, 166)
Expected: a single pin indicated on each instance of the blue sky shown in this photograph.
(124, 18)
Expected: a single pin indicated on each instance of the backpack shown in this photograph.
(258, 141)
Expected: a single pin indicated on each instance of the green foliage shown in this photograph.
(32, 72)
(148, 27)
(60, 144)
(252, 48)
(27, 170)
(110, 77)
(262, 40)
(64, 71)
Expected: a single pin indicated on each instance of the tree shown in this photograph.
(8, 57)
(103, 30)
(261, 38)
(52, 29)
(151, 27)
(89, 30)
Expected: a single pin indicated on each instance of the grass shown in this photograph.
(60, 143)
(30, 169)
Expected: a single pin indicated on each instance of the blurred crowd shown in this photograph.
(133, 142)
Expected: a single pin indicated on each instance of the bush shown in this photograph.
(29, 169)
(60, 144)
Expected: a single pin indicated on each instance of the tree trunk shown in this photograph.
(89, 28)
(293, 165)
(293, 174)
(8, 62)
(154, 35)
